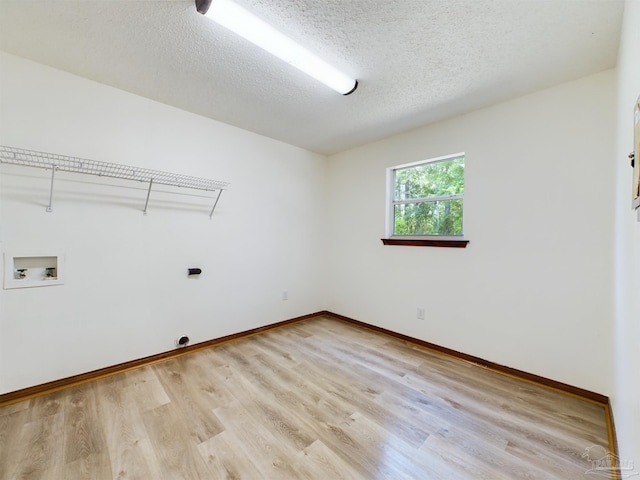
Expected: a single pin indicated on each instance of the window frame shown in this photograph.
(391, 202)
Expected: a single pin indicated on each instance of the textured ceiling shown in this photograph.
(417, 61)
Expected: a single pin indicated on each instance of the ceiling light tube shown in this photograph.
(252, 28)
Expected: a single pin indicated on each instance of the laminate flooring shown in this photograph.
(320, 399)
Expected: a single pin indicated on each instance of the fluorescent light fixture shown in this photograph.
(250, 27)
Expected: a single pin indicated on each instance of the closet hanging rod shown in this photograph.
(31, 158)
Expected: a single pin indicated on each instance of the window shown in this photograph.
(426, 198)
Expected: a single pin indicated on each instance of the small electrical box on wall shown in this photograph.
(26, 270)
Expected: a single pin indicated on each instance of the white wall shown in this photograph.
(127, 294)
(533, 290)
(626, 399)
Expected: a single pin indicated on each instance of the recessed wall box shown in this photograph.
(24, 270)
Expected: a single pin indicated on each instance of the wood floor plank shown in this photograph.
(83, 436)
(318, 399)
(217, 375)
(47, 405)
(125, 435)
(299, 391)
(359, 388)
(389, 456)
(257, 443)
(11, 430)
(15, 407)
(177, 455)
(39, 456)
(319, 461)
(221, 453)
(458, 461)
(186, 396)
(144, 383)
(263, 390)
(511, 406)
(93, 466)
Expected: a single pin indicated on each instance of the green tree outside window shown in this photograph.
(428, 198)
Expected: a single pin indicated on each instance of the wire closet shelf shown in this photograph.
(55, 162)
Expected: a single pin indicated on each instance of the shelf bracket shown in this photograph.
(215, 203)
(53, 173)
(144, 212)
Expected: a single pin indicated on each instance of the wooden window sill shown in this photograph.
(425, 243)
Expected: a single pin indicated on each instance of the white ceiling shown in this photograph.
(417, 61)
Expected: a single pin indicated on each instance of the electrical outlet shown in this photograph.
(420, 313)
(285, 295)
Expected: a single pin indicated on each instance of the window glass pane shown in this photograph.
(443, 217)
(434, 179)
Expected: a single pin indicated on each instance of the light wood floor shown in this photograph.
(320, 399)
